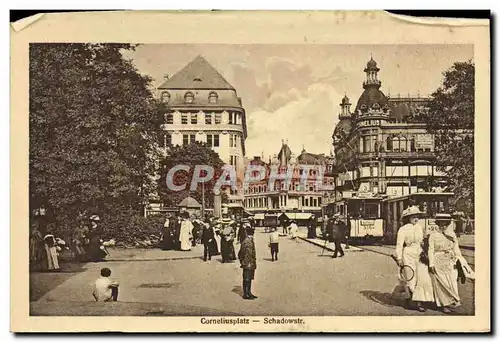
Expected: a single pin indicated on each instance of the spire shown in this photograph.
(345, 106)
(371, 71)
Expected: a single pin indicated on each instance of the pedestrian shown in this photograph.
(167, 241)
(185, 234)
(444, 252)
(274, 244)
(248, 262)
(311, 228)
(79, 236)
(50, 255)
(227, 239)
(284, 223)
(37, 248)
(96, 252)
(294, 229)
(241, 230)
(208, 238)
(337, 231)
(105, 289)
(408, 251)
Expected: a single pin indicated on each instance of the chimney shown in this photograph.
(165, 77)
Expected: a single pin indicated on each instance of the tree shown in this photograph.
(92, 132)
(190, 155)
(451, 119)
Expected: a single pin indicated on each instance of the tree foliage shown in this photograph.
(92, 133)
(190, 155)
(451, 119)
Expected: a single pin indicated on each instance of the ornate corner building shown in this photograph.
(383, 147)
(200, 105)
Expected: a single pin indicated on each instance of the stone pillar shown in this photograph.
(217, 205)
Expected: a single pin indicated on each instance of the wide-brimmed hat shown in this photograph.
(94, 218)
(442, 217)
(336, 215)
(411, 211)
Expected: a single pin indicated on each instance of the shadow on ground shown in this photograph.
(43, 282)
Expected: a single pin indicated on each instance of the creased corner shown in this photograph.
(439, 20)
(23, 23)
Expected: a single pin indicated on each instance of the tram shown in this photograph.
(430, 203)
(363, 216)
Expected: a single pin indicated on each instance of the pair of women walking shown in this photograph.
(432, 256)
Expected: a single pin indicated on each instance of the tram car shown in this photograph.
(430, 203)
(363, 217)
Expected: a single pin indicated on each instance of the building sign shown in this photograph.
(367, 224)
(369, 123)
(423, 141)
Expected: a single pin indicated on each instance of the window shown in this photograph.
(165, 97)
(189, 97)
(403, 144)
(230, 140)
(218, 118)
(230, 118)
(169, 118)
(167, 139)
(213, 140)
(208, 118)
(389, 143)
(188, 139)
(194, 118)
(366, 144)
(395, 144)
(306, 202)
(319, 201)
(184, 118)
(212, 97)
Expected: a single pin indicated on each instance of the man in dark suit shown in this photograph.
(337, 231)
(248, 262)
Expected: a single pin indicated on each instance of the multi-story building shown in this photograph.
(200, 105)
(383, 147)
(311, 181)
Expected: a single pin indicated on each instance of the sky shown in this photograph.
(293, 92)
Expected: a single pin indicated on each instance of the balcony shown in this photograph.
(396, 154)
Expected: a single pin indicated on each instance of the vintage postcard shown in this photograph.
(250, 172)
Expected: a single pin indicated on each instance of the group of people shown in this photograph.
(434, 258)
(86, 244)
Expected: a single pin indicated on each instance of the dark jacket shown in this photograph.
(208, 234)
(336, 231)
(247, 254)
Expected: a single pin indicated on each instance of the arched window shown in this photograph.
(395, 143)
(189, 97)
(212, 97)
(165, 97)
(389, 143)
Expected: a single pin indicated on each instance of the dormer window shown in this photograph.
(213, 97)
(197, 79)
(165, 97)
(189, 97)
(376, 106)
(363, 107)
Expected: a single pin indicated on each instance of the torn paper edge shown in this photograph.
(440, 20)
(25, 22)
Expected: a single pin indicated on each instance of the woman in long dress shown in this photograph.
(185, 235)
(444, 252)
(36, 249)
(408, 251)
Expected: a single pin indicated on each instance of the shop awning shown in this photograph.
(298, 216)
(259, 216)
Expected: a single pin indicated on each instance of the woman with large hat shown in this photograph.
(444, 252)
(408, 250)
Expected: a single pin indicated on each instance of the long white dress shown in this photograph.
(186, 235)
(408, 249)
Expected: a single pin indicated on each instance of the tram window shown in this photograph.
(370, 210)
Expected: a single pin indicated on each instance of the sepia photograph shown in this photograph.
(254, 183)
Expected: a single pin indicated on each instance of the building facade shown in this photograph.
(311, 181)
(199, 105)
(202, 106)
(382, 146)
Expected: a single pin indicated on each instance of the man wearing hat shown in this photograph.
(336, 231)
(408, 252)
(248, 262)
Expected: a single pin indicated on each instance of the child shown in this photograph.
(273, 243)
(105, 290)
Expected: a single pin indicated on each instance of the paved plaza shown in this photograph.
(304, 281)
